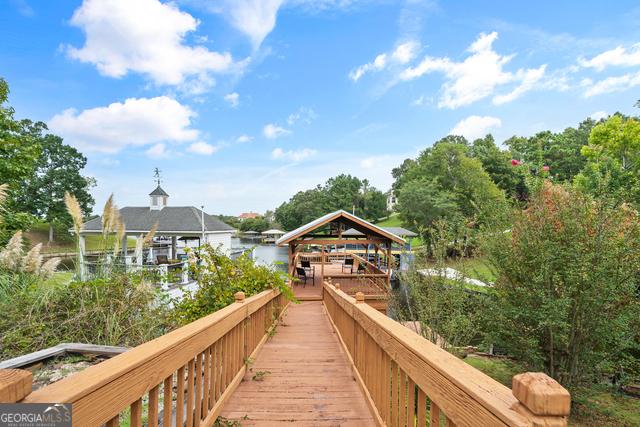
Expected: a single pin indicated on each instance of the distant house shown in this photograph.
(175, 223)
(391, 201)
(248, 215)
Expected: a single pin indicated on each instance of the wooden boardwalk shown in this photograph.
(306, 377)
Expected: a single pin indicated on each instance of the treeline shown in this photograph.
(38, 168)
(341, 192)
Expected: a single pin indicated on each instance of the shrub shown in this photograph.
(120, 310)
(219, 278)
(566, 296)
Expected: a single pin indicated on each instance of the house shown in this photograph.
(248, 215)
(174, 223)
(391, 201)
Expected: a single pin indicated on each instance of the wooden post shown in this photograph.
(359, 297)
(543, 397)
(15, 384)
(337, 286)
(322, 264)
(239, 296)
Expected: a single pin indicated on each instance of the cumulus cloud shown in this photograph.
(146, 37)
(134, 122)
(618, 56)
(158, 151)
(244, 138)
(293, 155)
(598, 115)
(273, 131)
(611, 84)
(304, 114)
(402, 54)
(478, 76)
(474, 127)
(203, 148)
(233, 99)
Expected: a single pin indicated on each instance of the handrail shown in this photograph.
(211, 352)
(407, 379)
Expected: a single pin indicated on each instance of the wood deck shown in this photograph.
(312, 291)
(309, 380)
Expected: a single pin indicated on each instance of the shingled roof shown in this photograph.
(158, 192)
(176, 219)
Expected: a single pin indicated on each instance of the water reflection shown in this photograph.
(263, 254)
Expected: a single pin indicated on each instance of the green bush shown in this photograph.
(566, 297)
(219, 278)
(120, 310)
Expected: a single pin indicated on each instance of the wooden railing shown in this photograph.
(408, 381)
(185, 375)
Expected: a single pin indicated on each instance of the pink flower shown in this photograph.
(545, 168)
(515, 162)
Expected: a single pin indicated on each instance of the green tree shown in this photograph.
(498, 165)
(58, 170)
(566, 294)
(613, 156)
(445, 182)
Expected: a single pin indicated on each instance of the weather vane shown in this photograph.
(156, 175)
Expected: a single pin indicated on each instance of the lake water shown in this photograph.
(263, 254)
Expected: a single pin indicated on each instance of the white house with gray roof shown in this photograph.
(174, 222)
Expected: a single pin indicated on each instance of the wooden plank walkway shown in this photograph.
(309, 380)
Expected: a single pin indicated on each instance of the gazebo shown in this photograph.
(182, 223)
(318, 249)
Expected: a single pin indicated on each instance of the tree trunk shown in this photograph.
(50, 233)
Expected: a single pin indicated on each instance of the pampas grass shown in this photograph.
(11, 254)
(73, 207)
(32, 261)
(49, 267)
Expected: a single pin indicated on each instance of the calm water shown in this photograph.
(263, 254)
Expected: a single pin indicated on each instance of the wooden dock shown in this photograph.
(306, 377)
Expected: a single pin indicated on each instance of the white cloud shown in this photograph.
(147, 37)
(304, 114)
(203, 148)
(599, 115)
(233, 99)
(293, 155)
(402, 54)
(476, 77)
(273, 131)
(158, 151)
(135, 122)
(529, 78)
(419, 101)
(618, 56)
(474, 127)
(612, 84)
(243, 139)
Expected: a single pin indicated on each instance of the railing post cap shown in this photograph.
(337, 285)
(239, 296)
(15, 385)
(359, 297)
(541, 394)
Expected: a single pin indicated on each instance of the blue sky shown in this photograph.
(241, 103)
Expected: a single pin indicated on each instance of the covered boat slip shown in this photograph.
(317, 254)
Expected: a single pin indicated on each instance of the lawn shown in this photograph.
(39, 233)
(394, 220)
(597, 405)
(473, 268)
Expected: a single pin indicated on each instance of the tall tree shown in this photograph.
(58, 170)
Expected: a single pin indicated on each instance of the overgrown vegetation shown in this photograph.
(219, 278)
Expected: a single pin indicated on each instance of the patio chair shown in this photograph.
(306, 264)
(348, 262)
(162, 259)
(302, 275)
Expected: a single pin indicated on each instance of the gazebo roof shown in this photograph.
(170, 219)
(273, 231)
(398, 231)
(343, 218)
